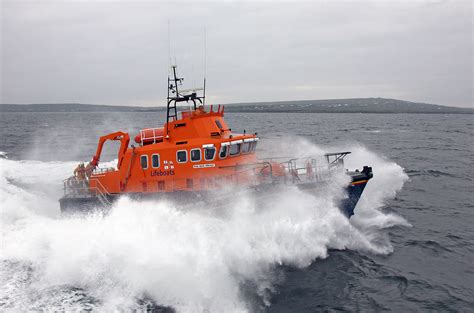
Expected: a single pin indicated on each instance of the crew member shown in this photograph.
(88, 170)
(80, 172)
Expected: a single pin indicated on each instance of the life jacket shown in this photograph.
(80, 172)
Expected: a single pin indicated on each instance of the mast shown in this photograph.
(173, 85)
(175, 96)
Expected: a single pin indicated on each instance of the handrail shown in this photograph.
(84, 185)
(129, 167)
(98, 170)
(105, 191)
(155, 137)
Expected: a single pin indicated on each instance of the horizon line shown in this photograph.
(243, 103)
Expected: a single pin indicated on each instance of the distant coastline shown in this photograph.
(358, 105)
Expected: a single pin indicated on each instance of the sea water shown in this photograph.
(408, 247)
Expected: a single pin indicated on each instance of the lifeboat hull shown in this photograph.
(83, 204)
(87, 204)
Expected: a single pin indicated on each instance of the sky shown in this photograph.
(119, 52)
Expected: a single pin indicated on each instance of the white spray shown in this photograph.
(190, 260)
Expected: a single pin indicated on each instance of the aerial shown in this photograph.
(264, 156)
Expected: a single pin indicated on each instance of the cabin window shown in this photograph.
(209, 153)
(144, 161)
(218, 123)
(246, 147)
(224, 152)
(155, 160)
(182, 156)
(196, 155)
(235, 149)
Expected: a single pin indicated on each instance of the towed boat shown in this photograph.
(196, 156)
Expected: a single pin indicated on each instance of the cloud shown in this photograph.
(117, 52)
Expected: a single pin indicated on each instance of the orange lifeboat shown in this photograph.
(194, 153)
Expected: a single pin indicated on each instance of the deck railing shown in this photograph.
(269, 171)
(75, 187)
(289, 171)
(99, 171)
(309, 168)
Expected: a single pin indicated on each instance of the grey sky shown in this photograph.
(109, 52)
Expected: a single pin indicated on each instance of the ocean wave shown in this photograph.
(192, 260)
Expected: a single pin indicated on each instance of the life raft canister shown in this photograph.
(150, 135)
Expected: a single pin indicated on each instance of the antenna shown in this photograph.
(204, 93)
(205, 67)
(169, 48)
(177, 94)
(205, 52)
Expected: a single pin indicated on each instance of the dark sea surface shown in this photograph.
(411, 249)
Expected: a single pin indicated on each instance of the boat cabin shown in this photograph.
(195, 150)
